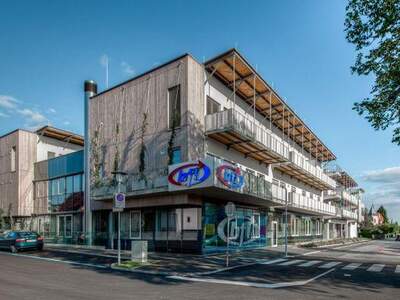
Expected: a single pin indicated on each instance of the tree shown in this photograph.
(382, 211)
(373, 26)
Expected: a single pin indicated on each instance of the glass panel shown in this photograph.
(135, 224)
(176, 155)
(61, 226)
(68, 226)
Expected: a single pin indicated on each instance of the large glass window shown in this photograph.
(65, 226)
(174, 106)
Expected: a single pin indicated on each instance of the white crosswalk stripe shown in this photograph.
(310, 263)
(291, 262)
(330, 264)
(270, 262)
(376, 268)
(397, 269)
(352, 266)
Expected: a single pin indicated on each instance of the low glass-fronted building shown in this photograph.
(58, 198)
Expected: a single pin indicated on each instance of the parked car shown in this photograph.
(21, 240)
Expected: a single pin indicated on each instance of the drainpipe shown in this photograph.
(90, 88)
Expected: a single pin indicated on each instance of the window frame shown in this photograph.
(179, 98)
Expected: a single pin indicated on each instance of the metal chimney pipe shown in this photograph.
(90, 88)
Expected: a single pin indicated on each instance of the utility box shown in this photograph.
(139, 251)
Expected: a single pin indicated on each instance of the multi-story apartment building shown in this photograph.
(20, 152)
(192, 137)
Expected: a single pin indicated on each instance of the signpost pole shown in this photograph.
(119, 238)
(227, 243)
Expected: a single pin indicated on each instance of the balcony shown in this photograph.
(301, 168)
(341, 194)
(301, 203)
(347, 214)
(239, 132)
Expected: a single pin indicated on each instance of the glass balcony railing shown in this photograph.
(314, 205)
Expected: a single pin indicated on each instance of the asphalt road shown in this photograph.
(375, 277)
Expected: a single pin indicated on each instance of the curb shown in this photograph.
(345, 244)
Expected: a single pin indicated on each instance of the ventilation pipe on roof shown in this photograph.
(90, 88)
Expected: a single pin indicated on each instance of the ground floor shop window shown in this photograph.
(307, 226)
(247, 228)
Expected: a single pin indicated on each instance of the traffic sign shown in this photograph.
(119, 202)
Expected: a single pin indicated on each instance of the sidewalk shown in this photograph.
(178, 263)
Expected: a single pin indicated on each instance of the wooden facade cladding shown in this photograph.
(16, 187)
(117, 121)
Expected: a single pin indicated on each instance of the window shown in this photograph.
(256, 225)
(295, 226)
(135, 225)
(176, 155)
(212, 106)
(77, 183)
(65, 226)
(50, 154)
(307, 227)
(174, 107)
(13, 158)
(167, 220)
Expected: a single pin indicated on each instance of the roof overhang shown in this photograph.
(232, 69)
(60, 134)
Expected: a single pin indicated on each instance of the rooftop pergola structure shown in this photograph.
(60, 134)
(232, 69)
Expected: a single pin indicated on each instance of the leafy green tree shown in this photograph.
(383, 212)
(373, 26)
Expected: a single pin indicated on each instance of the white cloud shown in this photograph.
(383, 188)
(388, 175)
(3, 115)
(8, 102)
(66, 123)
(127, 68)
(32, 116)
(51, 110)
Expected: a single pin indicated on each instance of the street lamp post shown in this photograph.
(119, 205)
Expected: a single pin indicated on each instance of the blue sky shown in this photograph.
(50, 47)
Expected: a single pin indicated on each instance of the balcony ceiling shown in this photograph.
(251, 87)
(61, 135)
(303, 175)
(249, 147)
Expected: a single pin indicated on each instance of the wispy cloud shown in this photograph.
(32, 117)
(388, 175)
(127, 68)
(8, 102)
(51, 110)
(66, 123)
(3, 115)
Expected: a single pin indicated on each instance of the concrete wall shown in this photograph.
(46, 144)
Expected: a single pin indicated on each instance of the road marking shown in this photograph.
(250, 284)
(330, 264)
(309, 253)
(375, 268)
(270, 262)
(397, 269)
(69, 262)
(351, 266)
(291, 262)
(310, 263)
